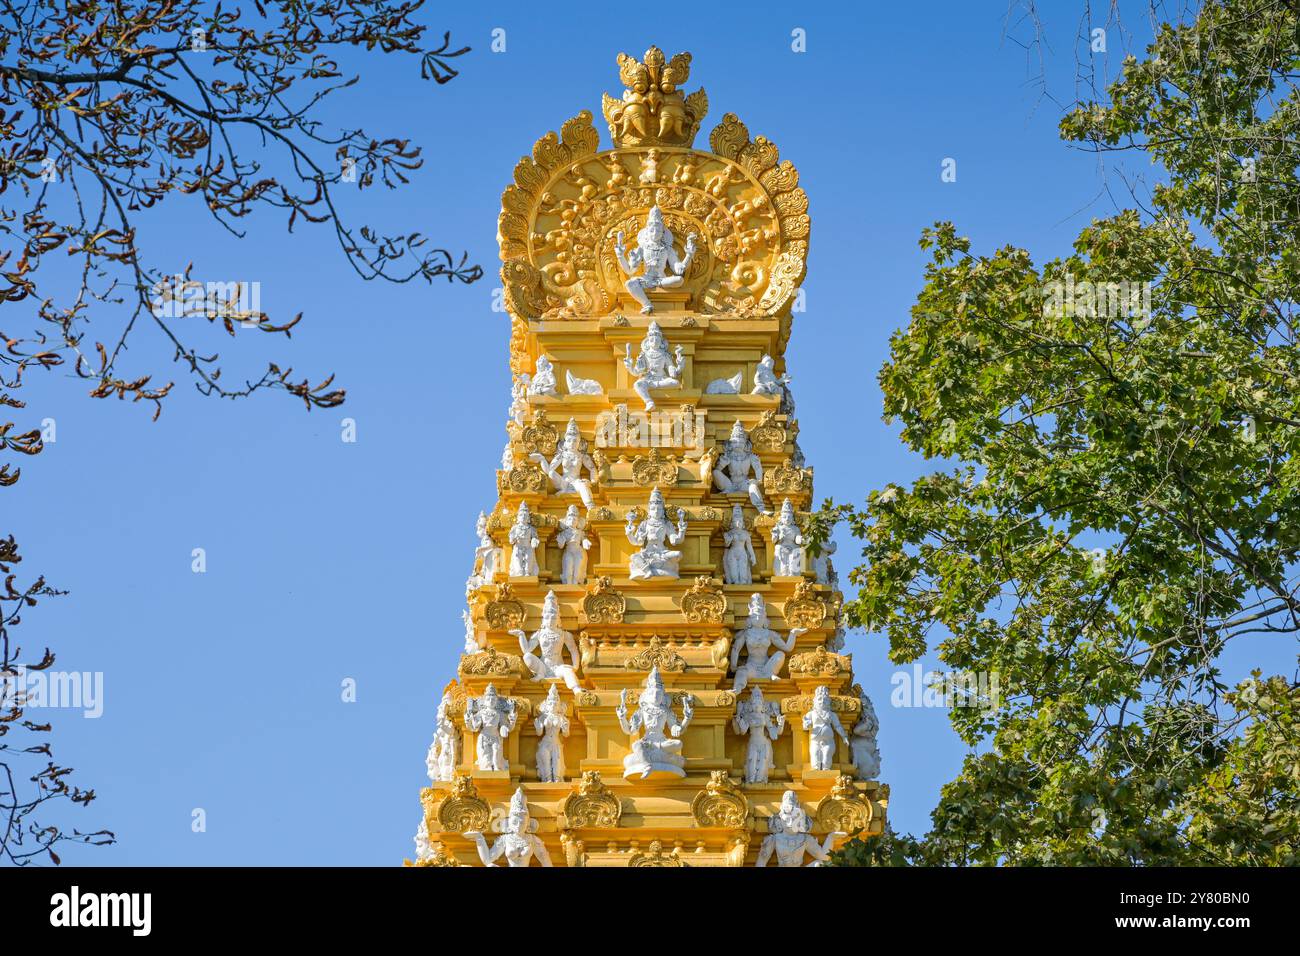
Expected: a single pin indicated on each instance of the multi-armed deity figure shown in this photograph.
(487, 556)
(544, 381)
(789, 839)
(757, 640)
(654, 560)
(552, 725)
(764, 723)
(655, 754)
(822, 724)
(573, 543)
(523, 544)
(738, 559)
(866, 755)
(654, 367)
(550, 641)
(518, 842)
(654, 250)
(565, 467)
(492, 718)
(444, 752)
(787, 555)
(738, 470)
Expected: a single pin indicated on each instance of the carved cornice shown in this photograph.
(802, 703)
(843, 809)
(525, 478)
(462, 809)
(604, 604)
(786, 479)
(539, 436)
(805, 608)
(655, 469)
(592, 804)
(720, 804)
(656, 655)
(704, 602)
(505, 612)
(768, 434)
(491, 663)
(655, 856)
(820, 662)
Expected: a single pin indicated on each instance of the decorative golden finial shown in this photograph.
(653, 111)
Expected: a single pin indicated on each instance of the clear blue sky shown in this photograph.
(328, 560)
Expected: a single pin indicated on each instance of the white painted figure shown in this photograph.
(581, 386)
(822, 568)
(822, 724)
(519, 399)
(654, 250)
(472, 643)
(764, 722)
(543, 382)
(789, 839)
(766, 381)
(488, 556)
(656, 753)
(725, 386)
(566, 466)
(491, 718)
(654, 560)
(866, 753)
(654, 367)
(423, 848)
(573, 543)
(738, 470)
(444, 752)
(550, 641)
(518, 842)
(739, 558)
(523, 544)
(552, 726)
(756, 640)
(788, 556)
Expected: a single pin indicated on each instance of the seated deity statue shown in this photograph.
(488, 556)
(573, 543)
(739, 558)
(544, 382)
(866, 754)
(492, 718)
(655, 754)
(444, 752)
(654, 560)
(523, 544)
(766, 381)
(654, 367)
(552, 725)
(822, 724)
(550, 641)
(788, 556)
(822, 569)
(566, 466)
(789, 837)
(654, 251)
(763, 722)
(518, 842)
(738, 470)
(581, 386)
(756, 640)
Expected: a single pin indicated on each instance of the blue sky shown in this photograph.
(329, 560)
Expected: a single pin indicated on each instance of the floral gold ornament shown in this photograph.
(604, 604)
(805, 608)
(844, 808)
(657, 655)
(592, 804)
(504, 612)
(462, 809)
(704, 603)
(720, 804)
(820, 662)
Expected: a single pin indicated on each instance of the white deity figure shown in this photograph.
(582, 386)
(653, 367)
(507, 458)
(519, 399)
(764, 723)
(655, 754)
(573, 541)
(654, 250)
(738, 469)
(550, 641)
(488, 556)
(766, 381)
(654, 560)
(472, 643)
(543, 382)
(866, 755)
(756, 639)
(523, 544)
(444, 752)
(788, 557)
(492, 719)
(518, 842)
(423, 848)
(551, 724)
(822, 568)
(822, 724)
(789, 839)
(738, 559)
(565, 467)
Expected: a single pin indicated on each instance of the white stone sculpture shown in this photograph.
(444, 752)
(725, 386)
(543, 382)
(472, 643)
(654, 251)
(835, 643)
(738, 470)
(489, 557)
(822, 568)
(822, 724)
(518, 842)
(866, 753)
(653, 367)
(519, 399)
(552, 725)
(764, 723)
(789, 839)
(739, 558)
(423, 848)
(573, 543)
(491, 718)
(756, 640)
(788, 557)
(566, 466)
(655, 754)
(766, 381)
(581, 386)
(654, 560)
(550, 641)
(523, 544)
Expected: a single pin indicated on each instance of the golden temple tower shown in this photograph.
(652, 459)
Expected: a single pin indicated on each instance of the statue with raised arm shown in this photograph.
(866, 754)
(739, 558)
(787, 556)
(492, 718)
(523, 544)
(550, 641)
(655, 754)
(789, 837)
(518, 842)
(738, 470)
(566, 466)
(763, 722)
(654, 560)
(444, 752)
(766, 381)
(654, 251)
(544, 381)
(757, 639)
(573, 543)
(653, 366)
(822, 724)
(552, 725)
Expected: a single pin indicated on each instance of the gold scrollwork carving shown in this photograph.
(656, 856)
(490, 663)
(720, 804)
(462, 809)
(656, 655)
(654, 469)
(592, 804)
(820, 661)
(604, 604)
(843, 809)
(805, 608)
(704, 602)
(506, 612)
